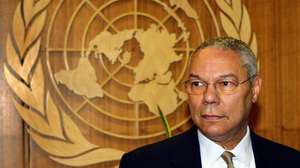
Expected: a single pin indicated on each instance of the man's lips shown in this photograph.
(211, 117)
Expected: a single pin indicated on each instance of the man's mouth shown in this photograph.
(211, 117)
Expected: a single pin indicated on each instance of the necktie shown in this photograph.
(227, 156)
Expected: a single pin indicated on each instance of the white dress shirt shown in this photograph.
(211, 153)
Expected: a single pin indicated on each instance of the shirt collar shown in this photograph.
(243, 150)
(211, 152)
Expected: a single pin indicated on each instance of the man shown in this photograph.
(222, 84)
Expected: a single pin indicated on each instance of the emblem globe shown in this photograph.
(120, 73)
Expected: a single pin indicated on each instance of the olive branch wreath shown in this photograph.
(236, 23)
(49, 126)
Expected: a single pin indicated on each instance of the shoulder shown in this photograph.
(273, 151)
(156, 154)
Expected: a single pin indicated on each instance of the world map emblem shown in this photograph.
(137, 61)
(114, 66)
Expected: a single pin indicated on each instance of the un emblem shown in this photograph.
(115, 67)
(135, 60)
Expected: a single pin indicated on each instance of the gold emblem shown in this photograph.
(133, 68)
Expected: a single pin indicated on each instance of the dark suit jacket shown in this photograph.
(183, 151)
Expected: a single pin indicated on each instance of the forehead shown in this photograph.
(214, 62)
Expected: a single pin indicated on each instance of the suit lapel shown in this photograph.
(187, 152)
(260, 154)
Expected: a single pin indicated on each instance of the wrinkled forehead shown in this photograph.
(214, 62)
(215, 50)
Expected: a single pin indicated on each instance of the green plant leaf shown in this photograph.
(165, 123)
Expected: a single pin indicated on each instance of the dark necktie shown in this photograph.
(227, 156)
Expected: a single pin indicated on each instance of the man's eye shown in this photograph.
(197, 84)
(227, 84)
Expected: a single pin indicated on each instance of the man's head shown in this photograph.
(222, 85)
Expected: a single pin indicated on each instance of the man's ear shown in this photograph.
(256, 85)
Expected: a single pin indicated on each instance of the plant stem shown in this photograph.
(165, 123)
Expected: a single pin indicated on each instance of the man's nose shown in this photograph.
(211, 95)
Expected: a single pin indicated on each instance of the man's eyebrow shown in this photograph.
(194, 76)
(230, 75)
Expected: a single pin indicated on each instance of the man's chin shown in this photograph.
(214, 133)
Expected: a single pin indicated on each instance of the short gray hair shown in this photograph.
(246, 54)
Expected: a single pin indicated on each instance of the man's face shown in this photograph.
(221, 116)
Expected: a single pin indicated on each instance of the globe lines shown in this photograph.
(130, 120)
